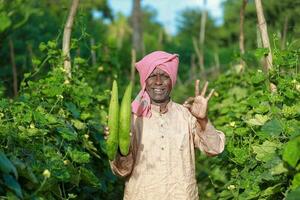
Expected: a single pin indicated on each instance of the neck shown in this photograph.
(162, 105)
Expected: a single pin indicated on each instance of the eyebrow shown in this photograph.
(160, 73)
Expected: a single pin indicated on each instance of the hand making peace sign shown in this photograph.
(198, 105)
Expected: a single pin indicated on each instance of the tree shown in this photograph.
(242, 17)
(67, 38)
(137, 35)
(262, 25)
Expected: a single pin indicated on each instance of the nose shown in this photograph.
(158, 80)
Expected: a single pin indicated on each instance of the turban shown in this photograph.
(167, 62)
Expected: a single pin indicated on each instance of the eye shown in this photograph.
(164, 77)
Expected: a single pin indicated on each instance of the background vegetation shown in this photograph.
(51, 128)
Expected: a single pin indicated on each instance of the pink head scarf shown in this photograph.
(141, 106)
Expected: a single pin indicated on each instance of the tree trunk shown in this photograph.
(202, 35)
(160, 39)
(242, 17)
(121, 33)
(262, 25)
(137, 37)
(193, 68)
(31, 55)
(198, 53)
(67, 38)
(285, 28)
(133, 61)
(258, 37)
(93, 52)
(217, 62)
(14, 67)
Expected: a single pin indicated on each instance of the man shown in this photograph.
(161, 162)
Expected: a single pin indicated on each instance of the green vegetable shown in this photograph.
(125, 121)
(113, 123)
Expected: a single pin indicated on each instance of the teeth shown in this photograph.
(158, 91)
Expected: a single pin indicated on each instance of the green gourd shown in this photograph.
(125, 121)
(113, 123)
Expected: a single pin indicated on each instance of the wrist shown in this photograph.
(200, 119)
(202, 122)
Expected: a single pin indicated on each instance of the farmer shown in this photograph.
(164, 135)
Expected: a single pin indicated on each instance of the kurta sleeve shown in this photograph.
(210, 140)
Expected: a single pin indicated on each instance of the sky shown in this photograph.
(169, 9)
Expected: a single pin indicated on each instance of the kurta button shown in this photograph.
(162, 136)
(161, 125)
(162, 148)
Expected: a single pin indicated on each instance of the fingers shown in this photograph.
(210, 94)
(189, 101)
(204, 89)
(197, 87)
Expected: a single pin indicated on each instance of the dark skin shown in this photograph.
(198, 105)
(159, 86)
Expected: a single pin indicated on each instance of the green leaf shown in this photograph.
(261, 52)
(296, 182)
(79, 156)
(293, 195)
(42, 46)
(89, 177)
(5, 21)
(73, 109)
(263, 107)
(258, 120)
(242, 131)
(265, 151)
(238, 92)
(271, 190)
(241, 155)
(279, 169)
(291, 153)
(67, 133)
(51, 119)
(258, 78)
(6, 166)
(52, 91)
(12, 184)
(273, 128)
(78, 124)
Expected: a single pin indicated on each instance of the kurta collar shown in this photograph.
(156, 108)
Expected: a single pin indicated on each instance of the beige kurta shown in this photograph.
(161, 163)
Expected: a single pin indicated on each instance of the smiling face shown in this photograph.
(158, 86)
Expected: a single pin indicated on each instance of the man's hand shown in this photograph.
(198, 105)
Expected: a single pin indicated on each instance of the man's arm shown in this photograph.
(207, 138)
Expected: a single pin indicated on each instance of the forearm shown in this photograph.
(208, 139)
(202, 123)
